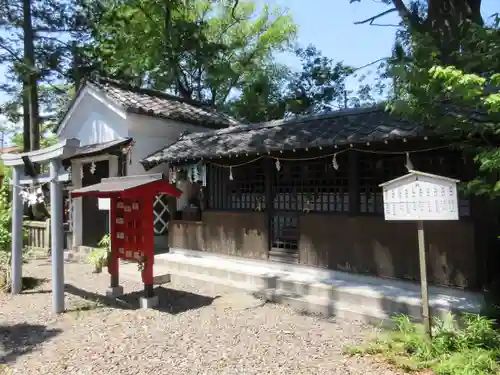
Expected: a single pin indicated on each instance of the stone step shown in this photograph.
(374, 297)
(279, 290)
(244, 279)
(336, 309)
(377, 300)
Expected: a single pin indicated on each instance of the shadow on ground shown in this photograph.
(23, 338)
(28, 284)
(171, 301)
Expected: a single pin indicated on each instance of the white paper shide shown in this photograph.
(420, 196)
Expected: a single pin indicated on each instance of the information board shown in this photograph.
(420, 196)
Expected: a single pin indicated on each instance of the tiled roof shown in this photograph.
(110, 186)
(340, 127)
(100, 148)
(158, 104)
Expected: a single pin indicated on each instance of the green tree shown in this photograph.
(445, 23)
(198, 49)
(262, 96)
(445, 67)
(320, 84)
(278, 91)
(36, 49)
(461, 101)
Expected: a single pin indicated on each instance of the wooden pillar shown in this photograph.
(353, 182)
(269, 199)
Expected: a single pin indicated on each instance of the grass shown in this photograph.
(473, 348)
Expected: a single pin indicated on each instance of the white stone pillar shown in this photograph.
(57, 248)
(17, 232)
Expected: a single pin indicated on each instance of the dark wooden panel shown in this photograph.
(95, 221)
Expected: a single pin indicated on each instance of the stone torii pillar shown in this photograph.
(23, 162)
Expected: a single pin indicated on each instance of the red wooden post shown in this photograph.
(148, 245)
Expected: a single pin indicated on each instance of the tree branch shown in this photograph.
(11, 52)
(371, 19)
(369, 64)
(384, 24)
(411, 19)
(233, 11)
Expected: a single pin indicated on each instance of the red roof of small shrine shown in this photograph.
(129, 186)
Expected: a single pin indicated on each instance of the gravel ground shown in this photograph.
(204, 330)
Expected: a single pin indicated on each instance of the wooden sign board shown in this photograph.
(420, 196)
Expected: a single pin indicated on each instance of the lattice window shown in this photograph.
(284, 232)
(450, 164)
(285, 237)
(161, 214)
(246, 191)
(375, 169)
(312, 185)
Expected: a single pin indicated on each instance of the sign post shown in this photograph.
(419, 196)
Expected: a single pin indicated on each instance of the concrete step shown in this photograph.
(328, 308)
(312, 298)
(378, 300)
(376, 297)
(244, 279)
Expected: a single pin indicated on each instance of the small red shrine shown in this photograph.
(131, 222)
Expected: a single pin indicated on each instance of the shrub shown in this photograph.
(6, 236)
(469, 349)
(99, 257)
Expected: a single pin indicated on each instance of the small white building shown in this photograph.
(118, 125)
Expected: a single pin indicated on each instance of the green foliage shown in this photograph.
(199, 49)
(460, 100)
(277, 91)
(99, 257)
(471, 348)
(47, 137)
(319, 86)
(5, 218)
(5, 234)
(59, 31)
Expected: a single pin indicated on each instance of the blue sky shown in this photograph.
(329, 25)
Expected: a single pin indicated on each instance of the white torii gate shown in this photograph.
(52, 155)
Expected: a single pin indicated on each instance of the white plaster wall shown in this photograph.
(95, 119)
(92, 121)
(151, 134)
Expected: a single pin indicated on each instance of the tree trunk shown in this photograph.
(446, 23)
(31, 89)
(76, 65)
(26, 115)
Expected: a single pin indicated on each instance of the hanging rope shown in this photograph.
(329, 155)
